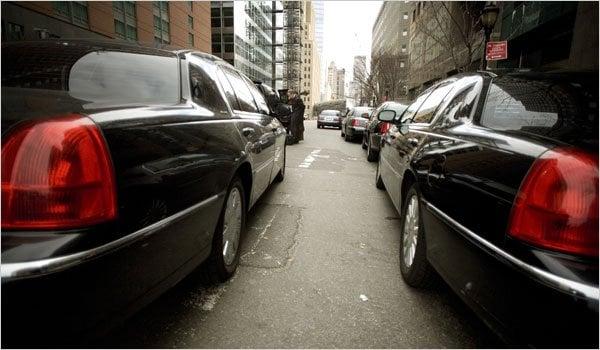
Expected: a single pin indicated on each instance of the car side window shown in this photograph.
(431, 104)
(229, 93)
(205, 91)
(459, 108)
(242, 91)
(263, 107)
(413, 107)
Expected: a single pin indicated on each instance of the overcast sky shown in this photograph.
(347, 32)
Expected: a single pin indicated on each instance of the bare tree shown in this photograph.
(455, 27)
(386, 80)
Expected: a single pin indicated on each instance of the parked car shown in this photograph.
(496, 180)
(123, 168)
(353, 125)
(329, 117)
(376, 127)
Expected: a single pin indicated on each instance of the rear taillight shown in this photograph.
(355, 122)
(56, 174)
(384, 127)
(557, 205)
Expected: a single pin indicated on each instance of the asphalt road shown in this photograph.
(319, 268)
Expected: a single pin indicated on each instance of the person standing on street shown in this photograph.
(297, 116)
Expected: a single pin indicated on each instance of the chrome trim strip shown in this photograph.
(10, 271)
(572, 287)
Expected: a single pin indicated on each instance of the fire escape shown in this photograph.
(292, 44)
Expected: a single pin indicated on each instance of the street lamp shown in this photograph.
(489, 16)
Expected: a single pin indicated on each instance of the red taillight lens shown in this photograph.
(557, 205)
(355, 122)
(384, 127)
(56, 174)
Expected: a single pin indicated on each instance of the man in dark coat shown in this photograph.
(297, 116)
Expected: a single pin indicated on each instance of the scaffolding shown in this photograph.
(292, 44)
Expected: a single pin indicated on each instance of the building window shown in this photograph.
(125, 20)
(401, 64)
(216, 48)
(405, 15)
(12, 31)
(404, 32)
(75, 12)
(191, 39)
(403, 48)
(161, 22)
(190, 5)
(190, 22)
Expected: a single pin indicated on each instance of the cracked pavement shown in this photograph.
(314, 246)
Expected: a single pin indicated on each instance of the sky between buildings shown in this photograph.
(348, 26)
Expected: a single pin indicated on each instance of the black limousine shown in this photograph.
(496, 180)
(123, 169)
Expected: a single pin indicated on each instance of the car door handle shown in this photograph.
(247, 131)
(412, 141)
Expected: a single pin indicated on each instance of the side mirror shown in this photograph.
(403, 129)
(386, 115)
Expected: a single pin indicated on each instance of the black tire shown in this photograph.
(318, 126)
(378, 180)
(281, 174)
(342, 131)
(419, 273)
(371, 155)
(216, 270)
(347, 138)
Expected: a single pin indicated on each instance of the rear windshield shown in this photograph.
(559, 108)
(330, 113)
(92, 74)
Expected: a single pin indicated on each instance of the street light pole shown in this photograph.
(489, 16)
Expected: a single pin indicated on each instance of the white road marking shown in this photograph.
(310, 158)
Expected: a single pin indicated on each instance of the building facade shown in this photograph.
(390, 48)
(310, 70)
(549, 35)
(182, 24)
(331, 84)
(242, 35)
(340, 81)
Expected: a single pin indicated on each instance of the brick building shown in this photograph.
(183, 24)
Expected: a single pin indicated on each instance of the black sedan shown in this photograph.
(376, 128)
(123, 169)
(496, 180)
(353, 125)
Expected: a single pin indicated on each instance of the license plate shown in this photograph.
(329, 119)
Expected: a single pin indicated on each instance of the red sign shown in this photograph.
(496, 50)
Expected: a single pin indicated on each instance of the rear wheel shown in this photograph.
(347, 137)
(281, 174)
(225, 254)
(378, 180)
(371, 155)
(415, 269)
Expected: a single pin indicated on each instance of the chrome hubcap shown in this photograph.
(411, 231)
(232, 225)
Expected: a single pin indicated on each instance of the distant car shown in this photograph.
(376, 128)
(354, 123)
(329, 117)
(495, 178)
(124, 167)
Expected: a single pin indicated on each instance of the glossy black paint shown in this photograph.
(472, 174)
(173, 163)
(372, 133)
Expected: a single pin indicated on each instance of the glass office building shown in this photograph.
(242, 35)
